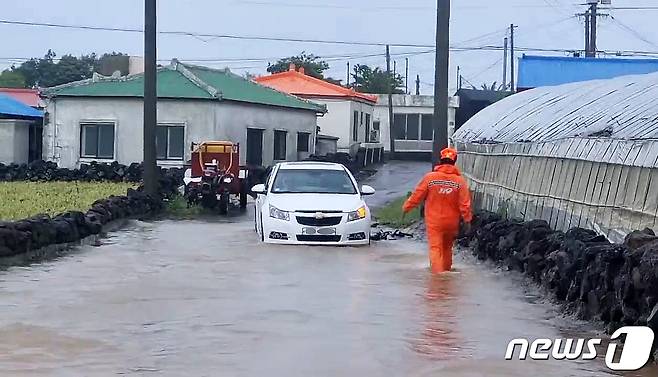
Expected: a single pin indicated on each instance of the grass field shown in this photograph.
(391, 214)
(19, 200)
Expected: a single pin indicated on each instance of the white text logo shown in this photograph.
(635, 354)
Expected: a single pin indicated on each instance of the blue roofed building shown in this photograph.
(540, 71)
(20, 131)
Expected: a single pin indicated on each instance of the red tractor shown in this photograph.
(215, 175)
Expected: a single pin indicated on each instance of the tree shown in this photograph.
(46, 72)
(493, 87)
(11, 79)
(369, 80)
(313, 65)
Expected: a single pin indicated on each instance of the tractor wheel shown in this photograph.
(223, 204)
(208, 201)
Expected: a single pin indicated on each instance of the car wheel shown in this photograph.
(256, 220)
(262, 230)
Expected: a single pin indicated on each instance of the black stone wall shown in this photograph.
(19, 237)
(596, 279)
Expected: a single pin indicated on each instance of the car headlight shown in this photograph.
(357, 215)
(279, 214)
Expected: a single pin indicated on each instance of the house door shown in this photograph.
(254, 147)
(35, 142)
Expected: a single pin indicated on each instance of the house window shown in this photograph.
(170, 142)
(368, 128)
(426, 127)
(303, 139)
(400, 126)
(413, 126)
(97, 140)
(375, 125)
(280, 145)
(355, 127)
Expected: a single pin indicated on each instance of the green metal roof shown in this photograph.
(187, 82)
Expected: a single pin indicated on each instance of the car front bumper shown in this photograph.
(291, 232)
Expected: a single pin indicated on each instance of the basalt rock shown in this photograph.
(113, 172)
(596, 279)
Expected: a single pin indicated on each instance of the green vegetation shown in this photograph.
(19, 200)
(391, 214)
(177, 207)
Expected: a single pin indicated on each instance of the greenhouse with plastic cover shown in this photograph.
(575, 155)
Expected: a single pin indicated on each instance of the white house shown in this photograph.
(101, 119)
(412, 114)
(349, 113)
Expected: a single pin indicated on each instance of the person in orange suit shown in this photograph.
(447, 199)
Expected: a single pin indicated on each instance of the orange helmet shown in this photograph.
(449, 154)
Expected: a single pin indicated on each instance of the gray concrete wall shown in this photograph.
(14, 141)
(203, 120)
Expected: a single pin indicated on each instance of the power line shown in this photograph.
(337, 57)
(631, 8)
(369, 9)
(209, 35)
(319, 41)
(488, 68)
(633, 31)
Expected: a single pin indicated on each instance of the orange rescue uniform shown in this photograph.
(447, 199)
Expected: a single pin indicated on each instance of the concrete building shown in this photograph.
(349, 113)
(101, 119)
(413, 129)
(17, 121)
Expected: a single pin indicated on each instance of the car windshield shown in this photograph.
(312, 181)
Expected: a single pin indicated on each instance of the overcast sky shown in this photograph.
(541, 24)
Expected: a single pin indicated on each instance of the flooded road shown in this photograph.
(205, 298)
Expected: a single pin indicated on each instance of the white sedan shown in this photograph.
(313, 203)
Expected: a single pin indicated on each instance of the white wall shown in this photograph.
(203, 120)
(14, 141)
(338, 121)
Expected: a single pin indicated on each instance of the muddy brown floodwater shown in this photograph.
(205, 298)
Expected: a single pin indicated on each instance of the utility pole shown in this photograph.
(150, 175)
(390, 102)
(348, 74)
(417, 85)
(406, 75)
(395, 68)
(505, 64)
(458, 76)
(512, 62)
(441, 79)
(587, 35)
(593, 21)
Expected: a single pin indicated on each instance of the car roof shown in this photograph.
(313, 165)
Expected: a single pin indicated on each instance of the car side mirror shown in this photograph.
(367, 190)
(259, 189)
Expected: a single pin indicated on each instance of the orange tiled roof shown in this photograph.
(299, 84)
